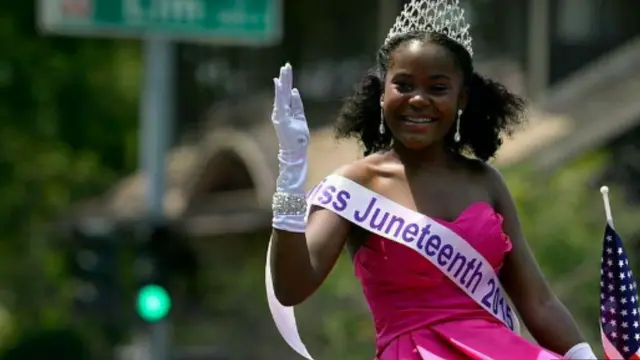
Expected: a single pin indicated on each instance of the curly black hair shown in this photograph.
(491, 111)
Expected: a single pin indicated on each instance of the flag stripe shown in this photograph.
(610, 351)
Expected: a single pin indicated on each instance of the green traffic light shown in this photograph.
(153, 303)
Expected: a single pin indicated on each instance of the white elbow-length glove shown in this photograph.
(290, 123)
(289, 203)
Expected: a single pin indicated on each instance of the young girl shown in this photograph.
(431, 227)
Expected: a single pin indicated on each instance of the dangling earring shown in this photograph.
(381, 129)
(456, 136)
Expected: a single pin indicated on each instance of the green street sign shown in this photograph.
(153, 303)
(245, 22)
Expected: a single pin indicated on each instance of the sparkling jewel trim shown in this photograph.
(441, 16)
(289, 204)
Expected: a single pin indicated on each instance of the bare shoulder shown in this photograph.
(489, 174)
(494, 183)
(361, 171)
(490, 179)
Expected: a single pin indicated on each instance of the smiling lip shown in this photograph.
(418, 124)
(418, 119)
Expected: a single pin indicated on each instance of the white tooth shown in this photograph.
(420, 120)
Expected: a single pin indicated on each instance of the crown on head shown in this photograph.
(441, 16)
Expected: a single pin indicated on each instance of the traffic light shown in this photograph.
(153, 303)
(93, 265)
(163, 259)
(121, 268)
(94, 262)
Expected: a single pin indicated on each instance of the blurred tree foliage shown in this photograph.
(68, 112)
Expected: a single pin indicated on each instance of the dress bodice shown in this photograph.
(405, 291)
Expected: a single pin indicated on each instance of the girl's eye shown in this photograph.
(439, 88)
(404, 87)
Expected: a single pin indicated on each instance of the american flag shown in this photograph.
(619, 318)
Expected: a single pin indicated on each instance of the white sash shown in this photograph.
(445, 249)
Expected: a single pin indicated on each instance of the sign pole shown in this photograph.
(157, 111)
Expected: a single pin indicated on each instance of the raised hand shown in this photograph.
(288, 116)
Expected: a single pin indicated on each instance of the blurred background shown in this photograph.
(103, 257)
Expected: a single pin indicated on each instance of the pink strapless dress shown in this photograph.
(420, 314)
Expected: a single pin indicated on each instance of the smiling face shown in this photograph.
(423, 92)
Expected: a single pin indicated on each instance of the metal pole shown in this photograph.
(539, 44)
(157, 112)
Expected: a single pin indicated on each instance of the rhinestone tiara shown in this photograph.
(441, 16)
